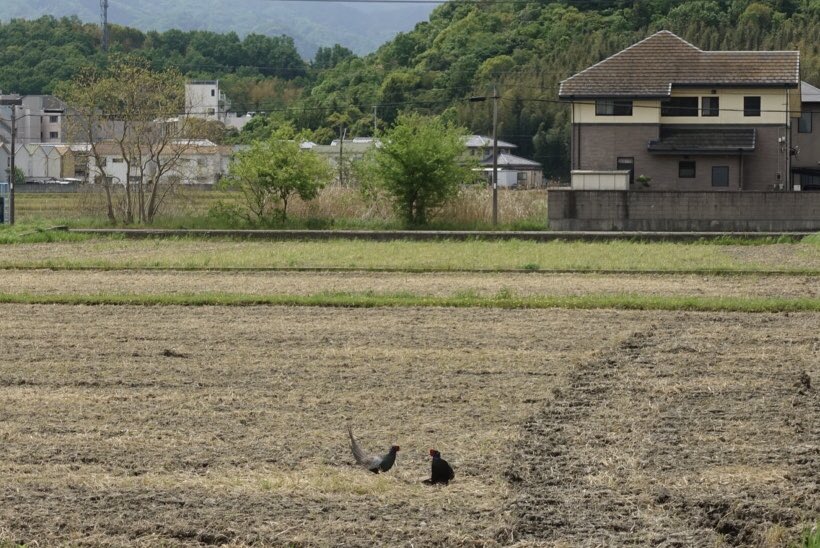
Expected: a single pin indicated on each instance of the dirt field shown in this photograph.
(437, 284)
(208, 425)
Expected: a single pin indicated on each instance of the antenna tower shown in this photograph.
(104, 23)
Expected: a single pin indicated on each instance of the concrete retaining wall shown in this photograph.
(683, 211)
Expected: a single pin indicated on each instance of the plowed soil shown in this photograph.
(128, 425)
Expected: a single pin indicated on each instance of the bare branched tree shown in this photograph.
(130, 114)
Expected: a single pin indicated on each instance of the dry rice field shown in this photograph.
(168, 425)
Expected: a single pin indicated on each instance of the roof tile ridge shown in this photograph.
(636, 44)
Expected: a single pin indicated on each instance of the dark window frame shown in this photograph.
(630, 160)
(684, 106)
(687, 172)
(714, 107)
(52, 119)
(720, 169)
(619, 107)
(749, 109)
(803, 122)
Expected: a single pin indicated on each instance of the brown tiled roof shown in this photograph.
(652, 66)
(675, 140)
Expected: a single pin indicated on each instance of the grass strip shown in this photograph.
(411, 270)
(504, 299)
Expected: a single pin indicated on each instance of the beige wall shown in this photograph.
(775, 101)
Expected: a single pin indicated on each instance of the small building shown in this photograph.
(524, 173)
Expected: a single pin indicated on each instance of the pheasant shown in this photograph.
(441, 471)
(374, 463)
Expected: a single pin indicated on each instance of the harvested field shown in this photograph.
(434, 283)
(404, 255)
(210, 425)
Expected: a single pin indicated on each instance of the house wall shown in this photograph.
(683, 211)
(773, 104)
(598, 147)
(808, 143)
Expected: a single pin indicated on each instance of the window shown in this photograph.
(211, 111)
(686, 169)
(117, 160)
(679, 106)
(720, 176)
(613, 107)
(710, 106)
(213, 93)
(53, 134)
(751, 106)
(804, 124)
(627, 164)
(53, 119)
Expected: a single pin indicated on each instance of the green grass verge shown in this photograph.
(504, 299)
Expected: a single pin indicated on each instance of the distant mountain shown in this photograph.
(360, 27)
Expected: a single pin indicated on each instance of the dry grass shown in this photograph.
(340, 204)
(155, 425)
(439, 284)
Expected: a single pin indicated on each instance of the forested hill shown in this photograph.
(359, 27)
(527, 48)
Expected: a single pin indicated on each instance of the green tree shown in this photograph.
(420, 165)
(270, 173)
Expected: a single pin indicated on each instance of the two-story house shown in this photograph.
(684, 118)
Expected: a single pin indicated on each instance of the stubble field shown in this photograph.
(195, 425)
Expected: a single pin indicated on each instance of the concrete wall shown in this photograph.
(683, 211)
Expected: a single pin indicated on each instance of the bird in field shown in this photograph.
(374, 463)
(441, 471)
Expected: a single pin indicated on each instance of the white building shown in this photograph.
(203, 99)
(200, 162)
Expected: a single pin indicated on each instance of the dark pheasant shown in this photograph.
(374, 463)
(441, 471)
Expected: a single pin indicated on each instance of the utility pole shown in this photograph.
(12, 102)
(104, 23)
(341, 156)
(495, 99)
(495, 156)
(375, 121)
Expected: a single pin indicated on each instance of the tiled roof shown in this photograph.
(652, 66)
(704, 140)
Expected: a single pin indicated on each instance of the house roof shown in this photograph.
(654, 65)
(809, 93)
(480, 141)
(510, 160)
(674, 140)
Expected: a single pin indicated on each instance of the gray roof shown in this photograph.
(480, 141)
(675, 140)
(510, 160)
(809, 93)
(652, 66)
